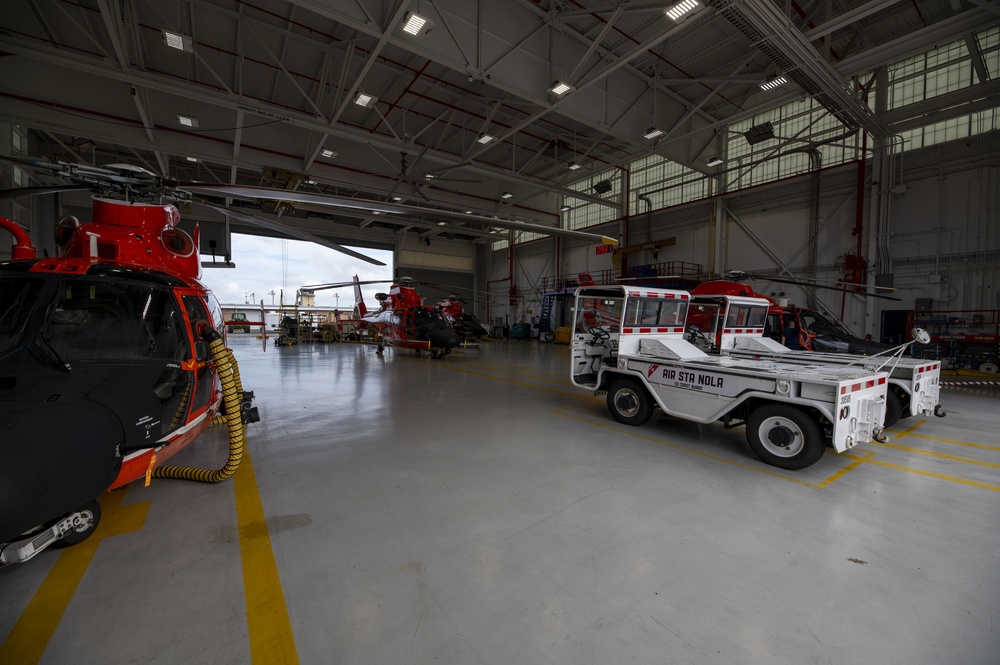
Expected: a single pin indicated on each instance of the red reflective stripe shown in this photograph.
(856, 386)
(843, 390)
(727, 330)
(881, 380)
(644, 330)
(870, 384)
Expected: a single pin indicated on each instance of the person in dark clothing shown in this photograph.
(790, 335)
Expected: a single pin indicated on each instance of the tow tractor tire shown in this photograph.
(893, 408)
(91, 514)
(784, 436)
(629, 403)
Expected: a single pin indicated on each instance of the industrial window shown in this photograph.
(940, 71)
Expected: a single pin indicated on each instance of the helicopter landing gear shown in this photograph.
(72, 529)
(84, 523)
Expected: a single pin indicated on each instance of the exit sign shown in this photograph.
(605, 249)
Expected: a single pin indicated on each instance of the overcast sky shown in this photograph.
(261, 267)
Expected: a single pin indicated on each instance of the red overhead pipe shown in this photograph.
(22, 247)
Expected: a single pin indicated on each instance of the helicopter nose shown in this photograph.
(54, 457)
(444, 339)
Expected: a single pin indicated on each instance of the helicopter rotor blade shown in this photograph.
(244, 192)
(843, 289)
(295, 233)
(39, 190)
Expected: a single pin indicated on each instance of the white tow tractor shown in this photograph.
(734, 325)
(629, 342)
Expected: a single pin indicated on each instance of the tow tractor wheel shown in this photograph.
(893, 408)
(629, 403)
(89, 514)
(784, 436)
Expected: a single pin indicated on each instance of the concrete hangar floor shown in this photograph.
(479, 509)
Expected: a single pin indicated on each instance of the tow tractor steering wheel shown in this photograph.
(599, 334)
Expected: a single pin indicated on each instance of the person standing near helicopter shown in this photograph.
(790, 335)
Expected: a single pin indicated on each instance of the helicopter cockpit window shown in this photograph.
(198, 315)
(95, 319)
(18, 294)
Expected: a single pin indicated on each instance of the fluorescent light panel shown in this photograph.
(177, 41)
(507, 195)
(653, 133)
(560, 88)
(329, 153)
(414, 23)
(714, 161)
(191, 159)
(681, 9)
(187, 120)
(573, 167)
(565, 208)
(485, 138)
(773, 83)
(365, 100)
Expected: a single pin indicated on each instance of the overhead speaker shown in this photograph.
(759, 133)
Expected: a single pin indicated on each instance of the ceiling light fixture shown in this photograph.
(415, 24)
(565, 208)
(328, 153)
(653, 133)
(178, 41)
(681, 9)
(573, 167)
(191, 159)
(187, 120)
(507, 195)
(485, 138)
(397, 198)
(559, 88)
(429, 176)
(714, 161)
(365, 100)
(773, 82)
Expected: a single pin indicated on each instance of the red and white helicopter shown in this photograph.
(110, 361)
(402, 320)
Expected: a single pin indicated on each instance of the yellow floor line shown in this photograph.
(30, 636)
(858, 461)
(931, 453)
(270, 629)
(956, 442)
(939, 476)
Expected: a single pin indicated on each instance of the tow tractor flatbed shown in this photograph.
(734, 325)
(630, 344)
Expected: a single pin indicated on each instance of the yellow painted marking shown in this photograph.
(270, 629)
(858, 461)
(939, 476)
(910, 429)
(30, 636)
(931, 453)
(969, 444)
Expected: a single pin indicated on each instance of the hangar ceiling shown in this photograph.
(462, 114)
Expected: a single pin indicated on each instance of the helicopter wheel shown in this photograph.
(84, 527)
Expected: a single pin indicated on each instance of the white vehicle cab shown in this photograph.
(629, 342)
(733, 325)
